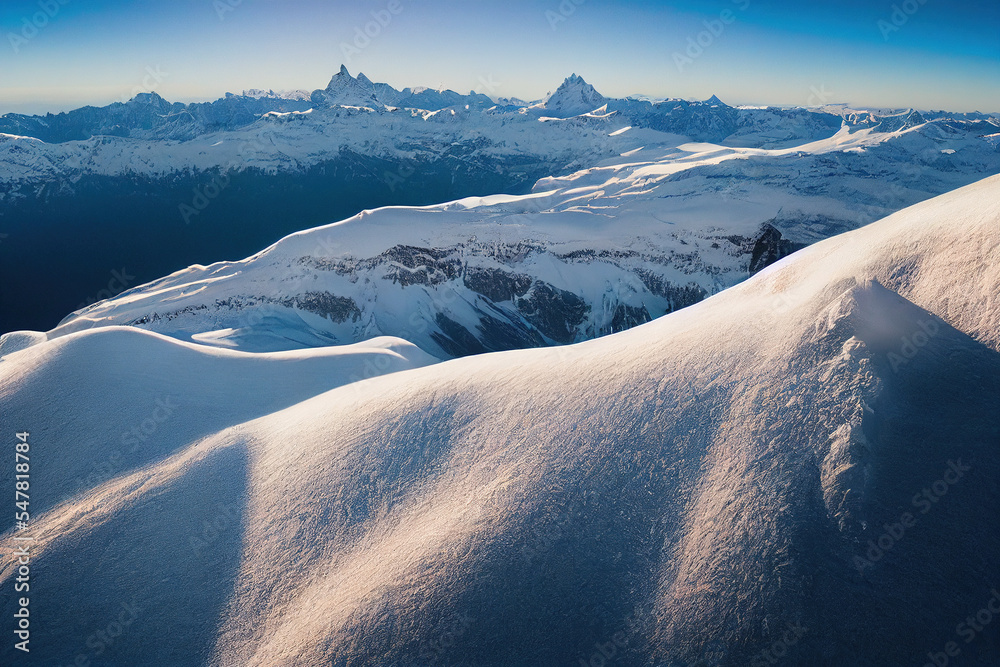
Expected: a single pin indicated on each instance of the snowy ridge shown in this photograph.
(587, 254)
(688, 490)
(160, 139)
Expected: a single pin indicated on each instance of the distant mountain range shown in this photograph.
(147, 187)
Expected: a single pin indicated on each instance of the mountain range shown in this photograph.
(147, 188)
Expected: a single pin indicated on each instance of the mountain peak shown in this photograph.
(147, 98)
(340, 79)
(346, 90)
(574, 97)
(714, 100)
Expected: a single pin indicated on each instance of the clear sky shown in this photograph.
(938, 54)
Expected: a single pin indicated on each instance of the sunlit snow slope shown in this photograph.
(584, 255)
(690, 491)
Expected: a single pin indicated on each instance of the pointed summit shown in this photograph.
(345, 90)
(340, 79)
(715, 101)
(574, 97)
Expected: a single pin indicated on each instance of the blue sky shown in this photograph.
(913, 53)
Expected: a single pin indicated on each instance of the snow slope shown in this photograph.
(584, 255)
(701, 489)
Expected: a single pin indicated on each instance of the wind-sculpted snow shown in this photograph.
(802, 468)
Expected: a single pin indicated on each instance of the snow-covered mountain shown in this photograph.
(155, 187)
(376, 119)
(584, 255)
(574, 97)
(800, 467)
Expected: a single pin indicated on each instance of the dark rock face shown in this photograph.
(769, 247)
(497, 285)
(626, 317)
(506, 331)
(454, 338)
(555, 312)
(486, 296)
(420, 266)
(336, 308)
(680, 296)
